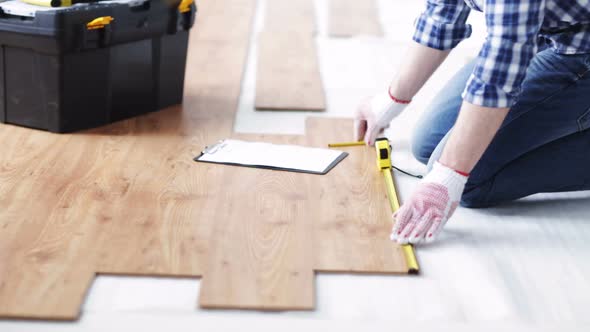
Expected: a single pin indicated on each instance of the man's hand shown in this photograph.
(423, 217)
(374, 115)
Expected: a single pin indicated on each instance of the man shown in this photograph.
(514, 122)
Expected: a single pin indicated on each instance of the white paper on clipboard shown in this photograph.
(272, 156)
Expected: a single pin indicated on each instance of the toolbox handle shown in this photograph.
(185, 16)
(185, 6)
(100, 25)
(99, 22)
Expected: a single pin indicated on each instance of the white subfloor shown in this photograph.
(522, 266)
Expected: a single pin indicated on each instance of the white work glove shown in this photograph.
(423, 216)
(374, 115)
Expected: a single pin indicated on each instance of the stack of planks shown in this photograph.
(127, 199)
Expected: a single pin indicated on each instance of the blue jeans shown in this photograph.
(543, 144)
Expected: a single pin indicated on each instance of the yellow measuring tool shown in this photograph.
(346, 144)
(384, 164)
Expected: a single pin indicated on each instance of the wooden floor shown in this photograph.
(288, 74)
(350, 18)
(128, 199)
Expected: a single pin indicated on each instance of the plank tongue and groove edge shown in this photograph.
(352, 217)
(349, 18)
(126, 198)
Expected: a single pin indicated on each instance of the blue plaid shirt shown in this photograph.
(516, 30)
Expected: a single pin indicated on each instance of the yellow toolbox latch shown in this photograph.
(99, 22)
(185, 6)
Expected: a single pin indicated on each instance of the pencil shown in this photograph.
(345, 144)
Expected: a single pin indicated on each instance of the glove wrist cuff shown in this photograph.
(456, 171)
(386, 108)
(448, 177)
(397, 100)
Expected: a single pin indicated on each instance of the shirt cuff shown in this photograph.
(480, 93)
(442, 36)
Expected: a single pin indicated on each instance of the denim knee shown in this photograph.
(421, 150)
(477, 195)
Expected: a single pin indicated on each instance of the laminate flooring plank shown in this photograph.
(260, 253)
(158, 218)
(288, 74)
(224, 21)
(349, 18)
(125, 198)
(49, 264)
(164, 219)
(290, 16)
(351, 213)
(128, 199)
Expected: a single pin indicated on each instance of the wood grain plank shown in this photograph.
(288, 76)
(350, 18)
(171, 236)
(125, 198)
(49, 266)
(352, 218)
(290, 16)
(260, 256)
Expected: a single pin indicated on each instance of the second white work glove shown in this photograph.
(423, 216)
(374, 115)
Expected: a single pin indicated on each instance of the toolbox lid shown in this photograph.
(91, 25)
(20, 8)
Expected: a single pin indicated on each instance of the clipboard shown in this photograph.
(290, 158)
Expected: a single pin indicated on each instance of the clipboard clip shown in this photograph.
(215, 147)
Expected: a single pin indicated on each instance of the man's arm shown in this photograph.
(475, 128)
(494, 86)
(375, 114)
(419, 63)
(513, 26)
(439, 29)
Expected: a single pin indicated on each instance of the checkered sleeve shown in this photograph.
(443, 25)
(511, 43)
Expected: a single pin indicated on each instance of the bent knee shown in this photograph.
(421, 149)
(474, 203)
(478, 196)
(421, 154)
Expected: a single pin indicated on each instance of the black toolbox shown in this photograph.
(89, 65)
